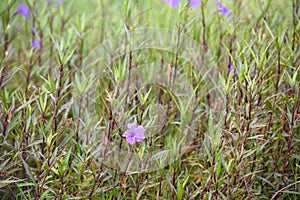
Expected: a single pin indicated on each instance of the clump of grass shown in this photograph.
(67, 98)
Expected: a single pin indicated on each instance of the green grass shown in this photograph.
(103, 64)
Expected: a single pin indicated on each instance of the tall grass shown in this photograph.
(64, 106)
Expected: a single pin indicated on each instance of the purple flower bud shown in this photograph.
(223, 9)
(23, 10)
(134, 133)
(35, 44)
(231, 69)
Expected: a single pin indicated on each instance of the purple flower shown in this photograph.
(23, 10)
(222, 9)
(35, 44)
(194, 3)
(231, 69)
(174, 3)
(134, 133)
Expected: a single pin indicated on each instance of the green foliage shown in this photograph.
(55, 103)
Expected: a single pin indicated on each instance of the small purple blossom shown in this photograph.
(194, 3)
(23, 10)
(35, 44)
(223, 9)
(174, 3)
(231, 69)
(134, 133)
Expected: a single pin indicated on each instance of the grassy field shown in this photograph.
(136, 99)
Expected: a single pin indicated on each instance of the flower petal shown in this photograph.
(194, 3)
(139, 137)
(23, 10)
(223, 9)
(174, 3)
(139, 129)
(131, 125)
(134, 133)
(35, 44)
(130, 140)
(127, 133)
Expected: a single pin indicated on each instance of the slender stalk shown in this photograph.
(6, 35)
(177, 53)
(174, 183)
(78, 120)
(282, 189)
(51, 20)
(291, 128)
(128, 81)
(204, 44)
(295, 22)
(276, 90)
(41, 47)
(5, 124)
(57, 98)
(160, 186)
(4, 70)
(124, 174)
(110, 129)
(228, 74)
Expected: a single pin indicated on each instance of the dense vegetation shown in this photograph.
(214, 87)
